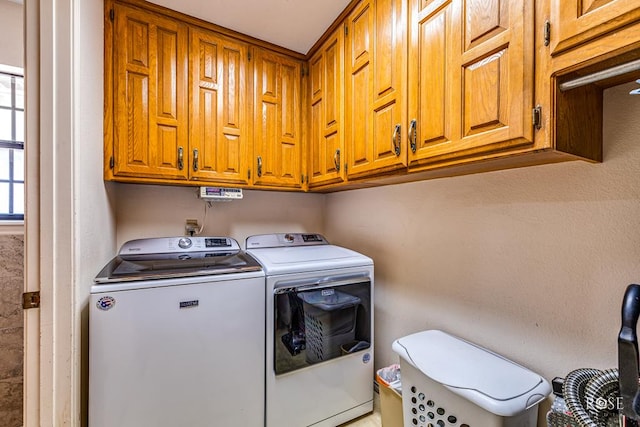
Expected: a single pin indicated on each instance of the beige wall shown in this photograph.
(531, 263)
(11, 27)
(157, 211)
(94, 227)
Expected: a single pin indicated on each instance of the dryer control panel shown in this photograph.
(280, 240)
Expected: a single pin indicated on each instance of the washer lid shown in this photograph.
(171, 257)
(489, 380)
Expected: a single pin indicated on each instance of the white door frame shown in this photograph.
(51, 350)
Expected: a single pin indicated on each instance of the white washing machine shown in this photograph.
(175, 336)
(319, 330)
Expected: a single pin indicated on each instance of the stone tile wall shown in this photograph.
(11, 329)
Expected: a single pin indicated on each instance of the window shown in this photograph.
(11, 144)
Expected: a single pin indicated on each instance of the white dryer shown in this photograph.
(319, 330)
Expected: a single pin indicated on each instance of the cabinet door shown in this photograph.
(434, 77)
(472, 71)
(327, 135)
(219, 109)
(375, 72)
(575, 22)
(277, 129)
(150, 90)
(497, 74)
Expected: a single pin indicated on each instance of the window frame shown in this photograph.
(12, 145)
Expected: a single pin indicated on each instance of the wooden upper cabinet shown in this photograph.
(219, 108)
(471, 78)
(375, 58)
(277, 120)
(575, 22)
(326, 136)
(150, 109)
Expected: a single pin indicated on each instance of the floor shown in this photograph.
(371, 420)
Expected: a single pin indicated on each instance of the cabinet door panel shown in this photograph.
(333, 132)
(478, 98)
(333, 154)
(327, 123)
(277, 127)
(150, 108)
(290, 100)
(484, 20)
(387, 81)
(316, 142)
(333, 78)
(289, 158)
(137, 144)
(376, 52)
(497, 77)
(575, 22)
(485, 94)
(360, 121)
(383, 120)
(384, 80)
(359, 101)
(316, 162)
(167, 140)
(359, 28)
(219, 115)
(435, 78)
(316, 72)
(137, 48)
(166, 95)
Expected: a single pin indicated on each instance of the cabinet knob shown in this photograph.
(259, 171)
(336, 160)
(180, 158)
(195, 160)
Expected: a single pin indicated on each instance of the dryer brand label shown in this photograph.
(106, 303)
(366, 358)
(189, 304)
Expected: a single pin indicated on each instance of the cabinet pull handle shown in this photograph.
(195, 160)
(395, 139)
(259, 171)
(336, 160)
(413, 135)
(180, 158)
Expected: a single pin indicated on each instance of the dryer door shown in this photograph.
(315, 323)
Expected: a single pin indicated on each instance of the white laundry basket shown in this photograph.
(447, 381)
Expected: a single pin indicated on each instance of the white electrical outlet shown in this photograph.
(191, 227)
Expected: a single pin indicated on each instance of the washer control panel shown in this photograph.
(164, 245)
(279, 240)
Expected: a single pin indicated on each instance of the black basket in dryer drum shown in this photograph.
(329, 321)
